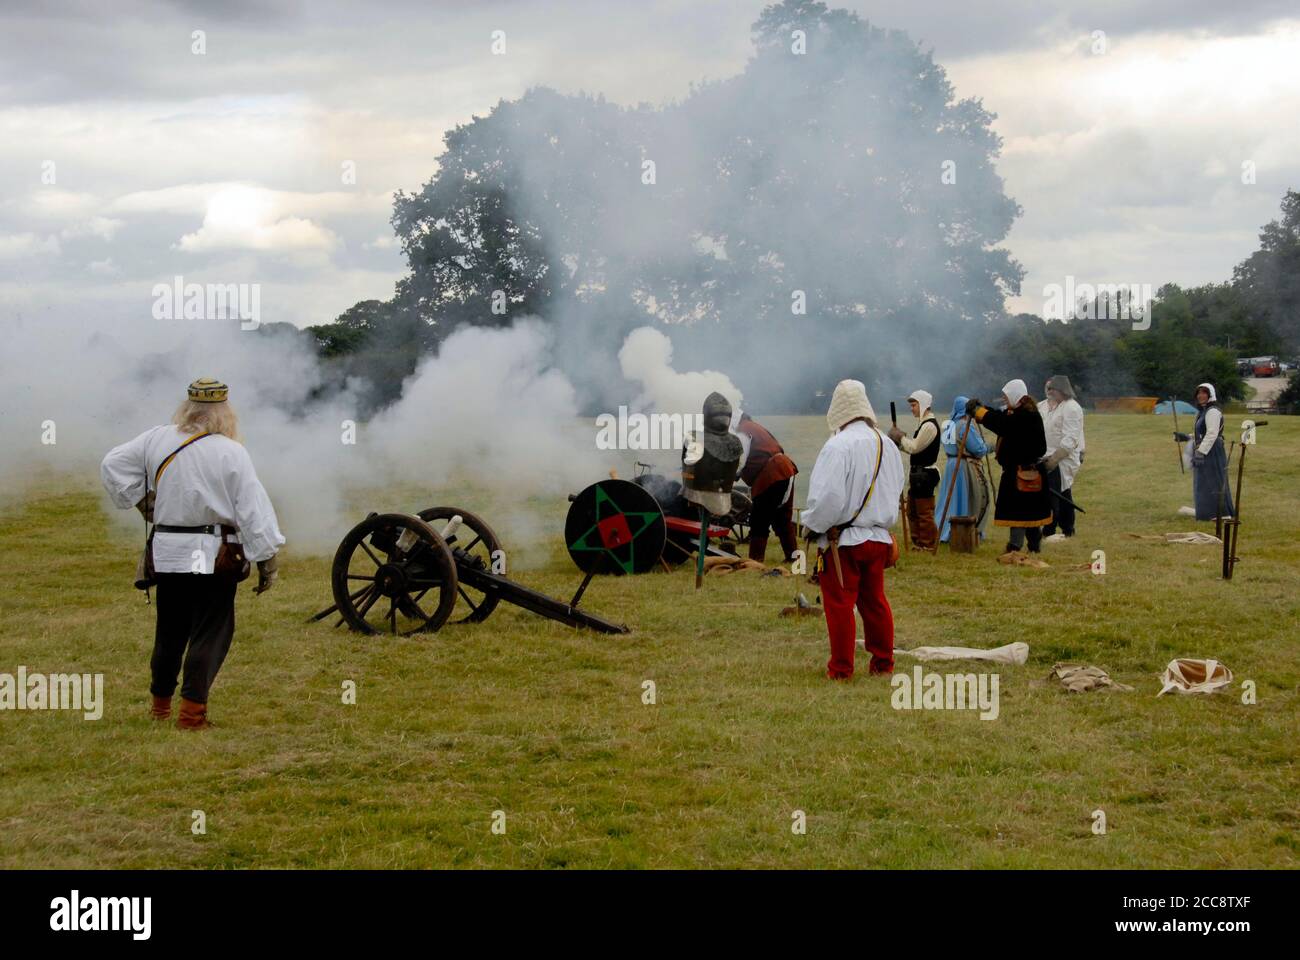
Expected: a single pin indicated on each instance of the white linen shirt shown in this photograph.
(1063, 429)
(211, 481)
(839, 482)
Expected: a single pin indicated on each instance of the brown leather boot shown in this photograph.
(758, 549)
(193, 716)
(161, 709)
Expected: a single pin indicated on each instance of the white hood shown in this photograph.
(848, 402)
(1015, 391)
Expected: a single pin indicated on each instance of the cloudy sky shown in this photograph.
(128, 158)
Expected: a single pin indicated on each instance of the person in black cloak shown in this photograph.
(1022, 504)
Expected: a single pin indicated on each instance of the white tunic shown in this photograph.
(1063, 428)
(211, 481)
(839, 482)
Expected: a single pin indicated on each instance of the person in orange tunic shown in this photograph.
(769, 473)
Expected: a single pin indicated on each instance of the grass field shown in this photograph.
(548, 725)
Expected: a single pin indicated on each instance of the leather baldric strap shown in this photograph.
(147, 511)
(172, 456)
(880, 452)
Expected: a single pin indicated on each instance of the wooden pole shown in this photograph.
(1232, 527)
(956, 473)
(902, 496)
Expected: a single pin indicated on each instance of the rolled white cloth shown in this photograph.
(1017, 653)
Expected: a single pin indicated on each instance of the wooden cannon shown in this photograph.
(400, 574)
(632, 526)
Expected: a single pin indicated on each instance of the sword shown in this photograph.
(1063, 500)
(835, 557)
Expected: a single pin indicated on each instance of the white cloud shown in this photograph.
(57, 204)
(245, 218)
(15, 246)
(104, 268)
(385, 241)
(102, 227)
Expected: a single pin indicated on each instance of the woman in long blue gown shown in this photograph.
(970, 498)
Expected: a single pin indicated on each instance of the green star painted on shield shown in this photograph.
(614, 525)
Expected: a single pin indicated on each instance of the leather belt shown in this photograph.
(212, 529)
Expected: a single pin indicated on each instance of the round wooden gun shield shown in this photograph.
(615, 526)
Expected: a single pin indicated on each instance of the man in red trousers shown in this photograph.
(853, 495)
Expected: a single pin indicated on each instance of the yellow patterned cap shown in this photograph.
(207, 390)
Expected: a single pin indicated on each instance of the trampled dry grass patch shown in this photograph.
(547, 724)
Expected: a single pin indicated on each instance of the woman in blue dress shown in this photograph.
(1211, 490)
(971, 496)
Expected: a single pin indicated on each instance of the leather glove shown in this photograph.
(1182, 437)
(267, 573)
(145, 506)
(895, 434)
(972, 405)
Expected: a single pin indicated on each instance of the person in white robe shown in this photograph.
(1063, 428)
(853, 496)
(195, 481)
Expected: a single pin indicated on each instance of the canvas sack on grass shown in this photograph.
(1080, 678)
(1195, 676)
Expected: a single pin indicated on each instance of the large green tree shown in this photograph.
(1269, 279)
(838, 173)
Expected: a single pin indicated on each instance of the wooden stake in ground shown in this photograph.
(902, 496)
(956, 472)
(1233, 526)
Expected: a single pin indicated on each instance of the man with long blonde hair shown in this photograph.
(195, 481)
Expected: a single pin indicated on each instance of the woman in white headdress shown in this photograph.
(1210, 488)
(1022, 505)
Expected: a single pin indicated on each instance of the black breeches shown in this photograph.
(196, 622)
(773, 510)
(1062, 507)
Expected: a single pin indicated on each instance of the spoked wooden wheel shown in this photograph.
(738, 518)
(393, 574)
(476, 544)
